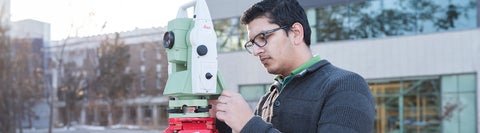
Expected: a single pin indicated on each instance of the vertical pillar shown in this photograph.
(56, 118)
(155, 115)
(478, 15)
(478, 80)
(54, 98)
(139, 115)
(124, 114)
(95, 115)
(83, 115)
(400, 108)
(312, 21)
(477, 75)
(478, 71)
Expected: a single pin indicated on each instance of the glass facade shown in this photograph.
(458, 103)
(382, 18)
(412, 105)
(231, 34)
(427, 104)
(368, 19)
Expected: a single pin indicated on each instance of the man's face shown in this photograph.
(275, 54)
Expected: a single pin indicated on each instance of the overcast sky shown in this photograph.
(92, 17)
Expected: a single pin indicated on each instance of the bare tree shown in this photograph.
(112, 81)
(21, 82)
(72, 91)
(7, 123)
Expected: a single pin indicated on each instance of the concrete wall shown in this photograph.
(405, 56)
(220, 9)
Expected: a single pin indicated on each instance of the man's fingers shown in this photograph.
(227, 93)
(222, 107)
(220, 115)
(223, 99)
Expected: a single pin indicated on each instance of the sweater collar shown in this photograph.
(301, 69)
(279, 81)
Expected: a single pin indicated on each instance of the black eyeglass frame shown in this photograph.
(249, 45)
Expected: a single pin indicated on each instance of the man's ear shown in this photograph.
(297, 30)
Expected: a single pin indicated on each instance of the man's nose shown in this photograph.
(257, 50)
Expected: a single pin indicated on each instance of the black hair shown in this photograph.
(280, 12)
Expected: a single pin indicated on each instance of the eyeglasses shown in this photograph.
(260, 39)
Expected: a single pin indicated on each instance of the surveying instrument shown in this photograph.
(191, 49)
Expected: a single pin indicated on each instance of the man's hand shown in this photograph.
(233, 110)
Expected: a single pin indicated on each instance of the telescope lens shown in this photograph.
(168, 39)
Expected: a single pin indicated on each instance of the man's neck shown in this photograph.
(298, 61)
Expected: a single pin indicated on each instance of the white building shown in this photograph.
(5, 12)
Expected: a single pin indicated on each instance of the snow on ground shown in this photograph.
(89, 127)
(95, 129)
(125, 127)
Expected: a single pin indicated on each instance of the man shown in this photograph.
(309, 94)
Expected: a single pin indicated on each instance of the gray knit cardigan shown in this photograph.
(323, 98)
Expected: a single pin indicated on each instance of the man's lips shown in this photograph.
(264, 59)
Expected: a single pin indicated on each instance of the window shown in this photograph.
(383, 18)
(142, 84)
(159, 56)
(142, 78)
(147, 111)
(231, 34)
(159, 76)
(127, 70)
(407, 105)
(253, 93)
(458, 103)
(142, 70)
(426, 104)
(142, 54)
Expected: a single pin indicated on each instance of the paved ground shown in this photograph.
(93, 131)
